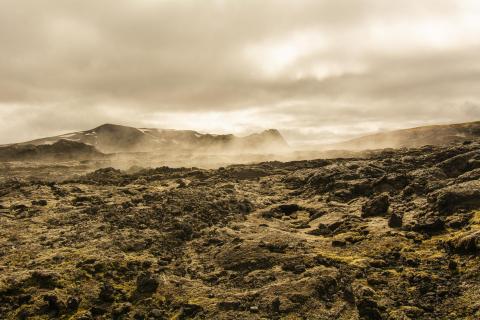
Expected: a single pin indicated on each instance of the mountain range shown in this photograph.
(113, 139)
(110, 139)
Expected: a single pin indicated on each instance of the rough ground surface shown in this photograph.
(392, 236)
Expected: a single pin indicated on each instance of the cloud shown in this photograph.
(318, 70)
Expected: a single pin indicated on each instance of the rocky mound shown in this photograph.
(392, 236)
(60, 150)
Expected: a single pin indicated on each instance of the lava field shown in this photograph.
(392, 235)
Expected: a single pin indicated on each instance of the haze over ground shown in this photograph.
(319, 71)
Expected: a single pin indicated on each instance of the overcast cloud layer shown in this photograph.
(317, 70)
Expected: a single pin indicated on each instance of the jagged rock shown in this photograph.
(229, 305)
(395, 220)
(294, 267)
(462, 196)
(452, 265)
(368, 309)
(182, 183)
(146, 283)
(54, 305)
(321, 230)
(429, 224)
(97, 311)
(44, 279)
(467, 243)
(458, 221)
(278, 246)
(189, 311)
(326, 286)
(459, 164)
(41, 202)
(408, 191)
(120, 310)
(468, 176)
(72, 304)
(288, 209)
(391, 183)
(275, 305)
(245, 257)
(107, 293)
(19, 207)
(157, 314)
(378, 206)
(339, 243)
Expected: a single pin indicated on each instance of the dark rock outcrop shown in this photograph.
(377, 206)
(460, 196)
(60, 150)
(467, 243)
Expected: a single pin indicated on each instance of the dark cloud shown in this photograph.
(318, 70)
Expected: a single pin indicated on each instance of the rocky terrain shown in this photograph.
(393, 235)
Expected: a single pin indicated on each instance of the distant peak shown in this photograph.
(272, 132)
(268, 136)
(108, 125)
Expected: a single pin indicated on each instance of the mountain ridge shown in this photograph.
(112, 138)
(439, 134)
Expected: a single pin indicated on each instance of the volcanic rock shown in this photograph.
(378, 206)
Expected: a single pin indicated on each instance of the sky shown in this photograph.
(319, 71)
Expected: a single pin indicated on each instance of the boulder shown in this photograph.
(467, 243)
(146, 283)
(461, 196)
(190, 310)
(458, 165)
(378, 206)
(428, 224)
(468, 176)
(43, 279)
(107, 293)
(395, 220)
(40, 202)
(288, 209)
(53, 306)
(368, 309)
(72, 304)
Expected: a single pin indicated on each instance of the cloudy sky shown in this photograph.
(317, 70)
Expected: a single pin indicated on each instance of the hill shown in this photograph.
(415, 137)
(60, 150)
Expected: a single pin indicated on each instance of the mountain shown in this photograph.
(415, 137)
(111, 138)
(60, 150)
